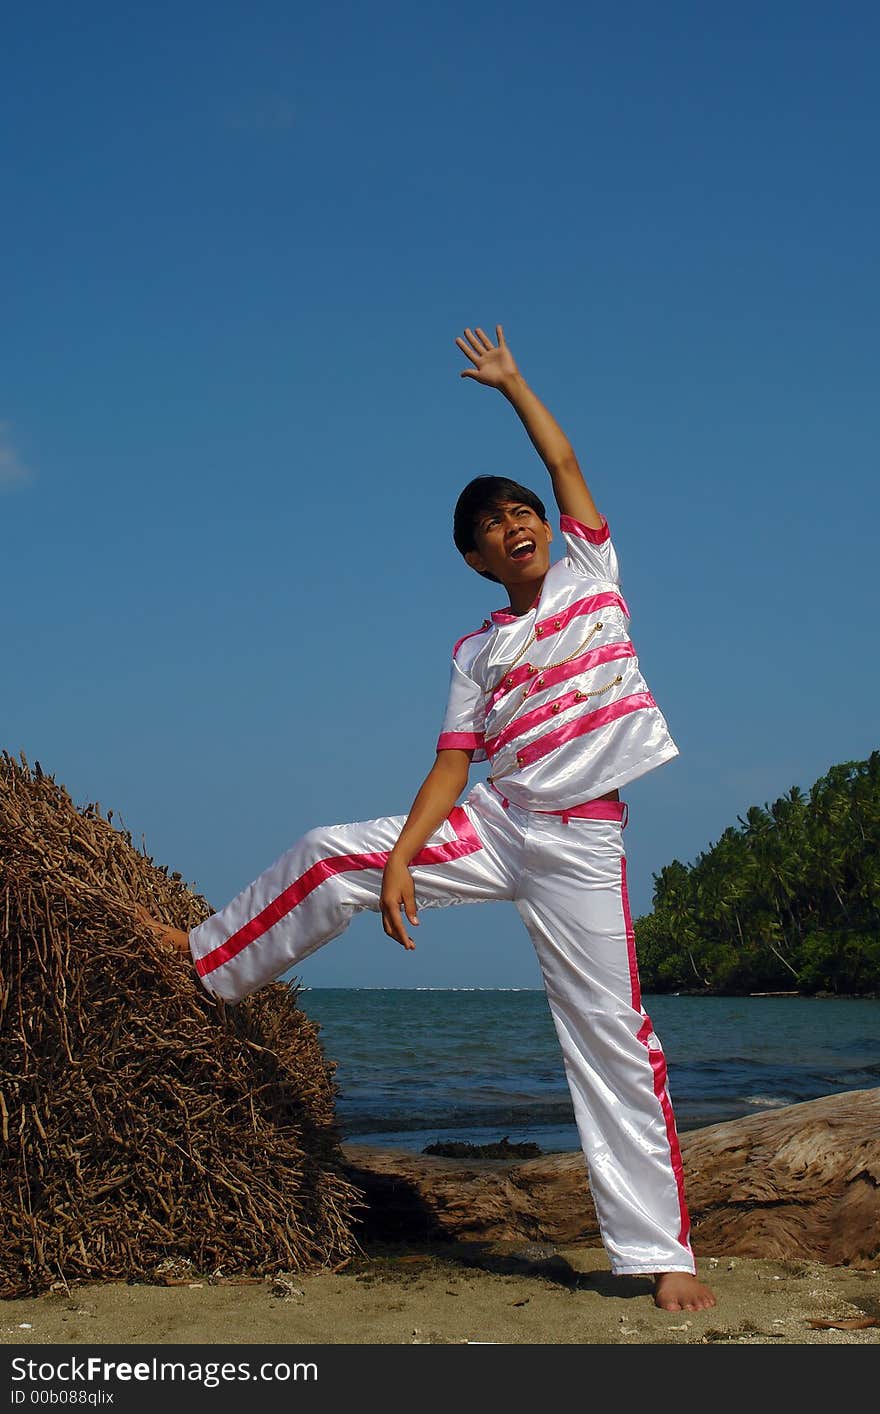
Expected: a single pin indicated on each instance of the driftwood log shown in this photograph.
(800, 1182)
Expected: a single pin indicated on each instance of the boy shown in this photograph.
(550, 692)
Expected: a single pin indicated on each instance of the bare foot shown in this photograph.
(679, 1291)
(175, 939)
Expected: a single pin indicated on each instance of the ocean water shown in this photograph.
(420, 1066)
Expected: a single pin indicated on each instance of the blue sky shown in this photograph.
(239, 243)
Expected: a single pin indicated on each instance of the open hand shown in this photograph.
(493, 365)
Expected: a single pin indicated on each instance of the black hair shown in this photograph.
(487, 493)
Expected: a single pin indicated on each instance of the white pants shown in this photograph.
(567, 877)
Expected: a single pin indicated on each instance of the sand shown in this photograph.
(455, 1293)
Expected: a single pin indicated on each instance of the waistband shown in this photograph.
(588, 810)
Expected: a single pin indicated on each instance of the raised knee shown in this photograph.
(316, 843)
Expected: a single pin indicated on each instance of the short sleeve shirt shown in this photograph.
(554, 698)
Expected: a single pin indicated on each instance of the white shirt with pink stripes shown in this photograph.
(554, 698)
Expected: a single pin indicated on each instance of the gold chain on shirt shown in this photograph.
(545, 667)
(533, 672)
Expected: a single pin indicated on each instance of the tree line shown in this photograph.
(788, 901)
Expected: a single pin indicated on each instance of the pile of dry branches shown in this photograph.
(141, 1122)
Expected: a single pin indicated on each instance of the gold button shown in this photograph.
(519, 759)
(558, 623)
(579, 696)
(540, 682)
(510, 682)
(532, 672)
(538, 632)
(555, 707)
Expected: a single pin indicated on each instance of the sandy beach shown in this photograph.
(454, 1293)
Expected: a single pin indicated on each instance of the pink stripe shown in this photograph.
(592, 810)
(464, 638)
(606, 600)
(630, 940)
(587, 722)
(569, 525)
(538, 715)
(587, 810)
(558, 621)
(466, 842)
(548, 677)
(658, 1066)
(460, 741)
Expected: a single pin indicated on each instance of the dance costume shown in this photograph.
(555, 701)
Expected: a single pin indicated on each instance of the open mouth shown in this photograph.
(523, 551)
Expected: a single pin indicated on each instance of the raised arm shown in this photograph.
(494, 366)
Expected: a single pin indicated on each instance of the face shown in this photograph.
(513, 543)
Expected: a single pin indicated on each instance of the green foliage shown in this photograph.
(840, 962)
(789, 901)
